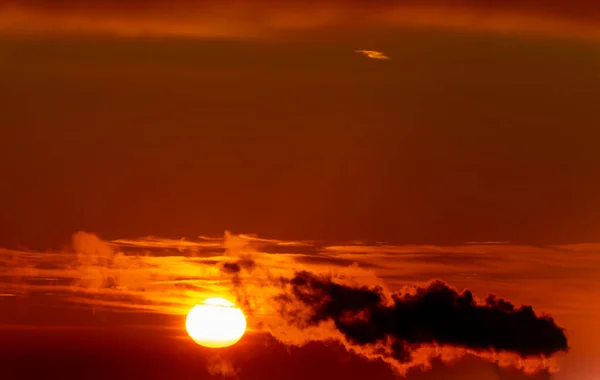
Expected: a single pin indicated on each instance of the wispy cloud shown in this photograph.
(167, 277)
(373, 54)
(156, 270)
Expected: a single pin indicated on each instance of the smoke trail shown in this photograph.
(411, 327)
(435, 313)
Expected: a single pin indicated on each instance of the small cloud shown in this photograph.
(373, 54)
(218, 366)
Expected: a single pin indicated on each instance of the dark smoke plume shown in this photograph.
(434, 314)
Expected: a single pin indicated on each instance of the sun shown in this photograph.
(216, 323)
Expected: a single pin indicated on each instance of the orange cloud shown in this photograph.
(261, 19)
(166, 276)
(373, 54)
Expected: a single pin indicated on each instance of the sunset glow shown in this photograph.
(299, 189)
(216, 323)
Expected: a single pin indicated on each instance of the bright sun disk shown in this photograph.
(216, 323)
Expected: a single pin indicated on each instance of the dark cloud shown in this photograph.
(396, 327)
(234, 267)
(433, 314)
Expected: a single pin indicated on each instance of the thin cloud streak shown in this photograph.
(373, 54)
(100, 267)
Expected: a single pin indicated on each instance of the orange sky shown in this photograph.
(460, 136)
(377, 140)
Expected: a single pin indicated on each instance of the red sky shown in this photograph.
(179, 120)
(459, 137)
